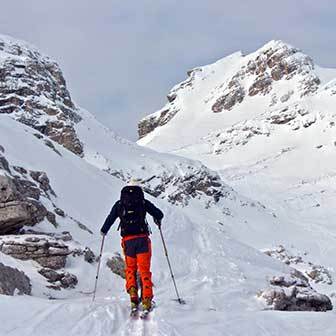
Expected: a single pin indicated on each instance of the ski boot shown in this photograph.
(147, 307)
(133, 292)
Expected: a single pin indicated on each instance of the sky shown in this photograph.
(121, 57)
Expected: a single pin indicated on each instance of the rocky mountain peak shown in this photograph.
(240, 96)
(33, 91)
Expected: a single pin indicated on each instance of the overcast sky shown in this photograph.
(121, 57)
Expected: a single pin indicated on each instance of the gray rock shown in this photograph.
(235, 94)
(53, 262)
(43, 180)
(69, 280)
(293, 293)
(20, 93)
(12, 280)
(89, 256)
(59, 212)
(51, 275)
(117, 265)
(48, 253)
(262, 85)
(4, 163)
(13, 216)
(147, 125)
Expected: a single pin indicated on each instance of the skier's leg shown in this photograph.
(144, 261)
(130, 270)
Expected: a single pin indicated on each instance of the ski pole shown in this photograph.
(98, 268)
(170, 268)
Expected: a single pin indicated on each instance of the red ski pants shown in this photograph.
(138, 252)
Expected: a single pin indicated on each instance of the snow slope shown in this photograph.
(217, 275)
(87, 193)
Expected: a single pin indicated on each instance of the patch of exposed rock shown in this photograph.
(33, 91)
(162, 117)
(13, 281)
(59, 279)
(117, 265)
(234, 94)
(293, 293)
(47, 252)
(87, 253)
(20, 194)
(195, 183)
(147, 125)
(314, 273)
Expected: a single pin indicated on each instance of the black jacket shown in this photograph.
(155, 212)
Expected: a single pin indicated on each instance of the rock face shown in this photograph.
(20, 194)
(162, 117)
(12, 281)
(47, 252)
(33, 91)
(293, 293)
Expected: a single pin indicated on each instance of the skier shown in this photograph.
(131, 210)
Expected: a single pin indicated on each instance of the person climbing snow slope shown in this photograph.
(131, 209)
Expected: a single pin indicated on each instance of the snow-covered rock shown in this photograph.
(293, 293)
(33, 91)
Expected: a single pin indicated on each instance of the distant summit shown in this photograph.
(276, 86)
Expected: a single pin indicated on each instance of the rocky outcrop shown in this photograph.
(233, 95)
(147, 125)
(47, 252)
(180, 189)
(293, 293)
(277, 62)
(162, 117)
(314, 273)
(13, 281)
(19, 203)
(117, 265)
(33, 90)
(20, 198)
(59, 279)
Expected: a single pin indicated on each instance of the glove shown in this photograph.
(157, 222)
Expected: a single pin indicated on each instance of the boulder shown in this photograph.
(59, 280)
(293, 293)
(117, 265)
(13, 280)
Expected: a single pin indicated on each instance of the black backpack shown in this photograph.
(132, 211)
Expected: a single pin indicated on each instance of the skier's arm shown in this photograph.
(155, 212)
(110, 219)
